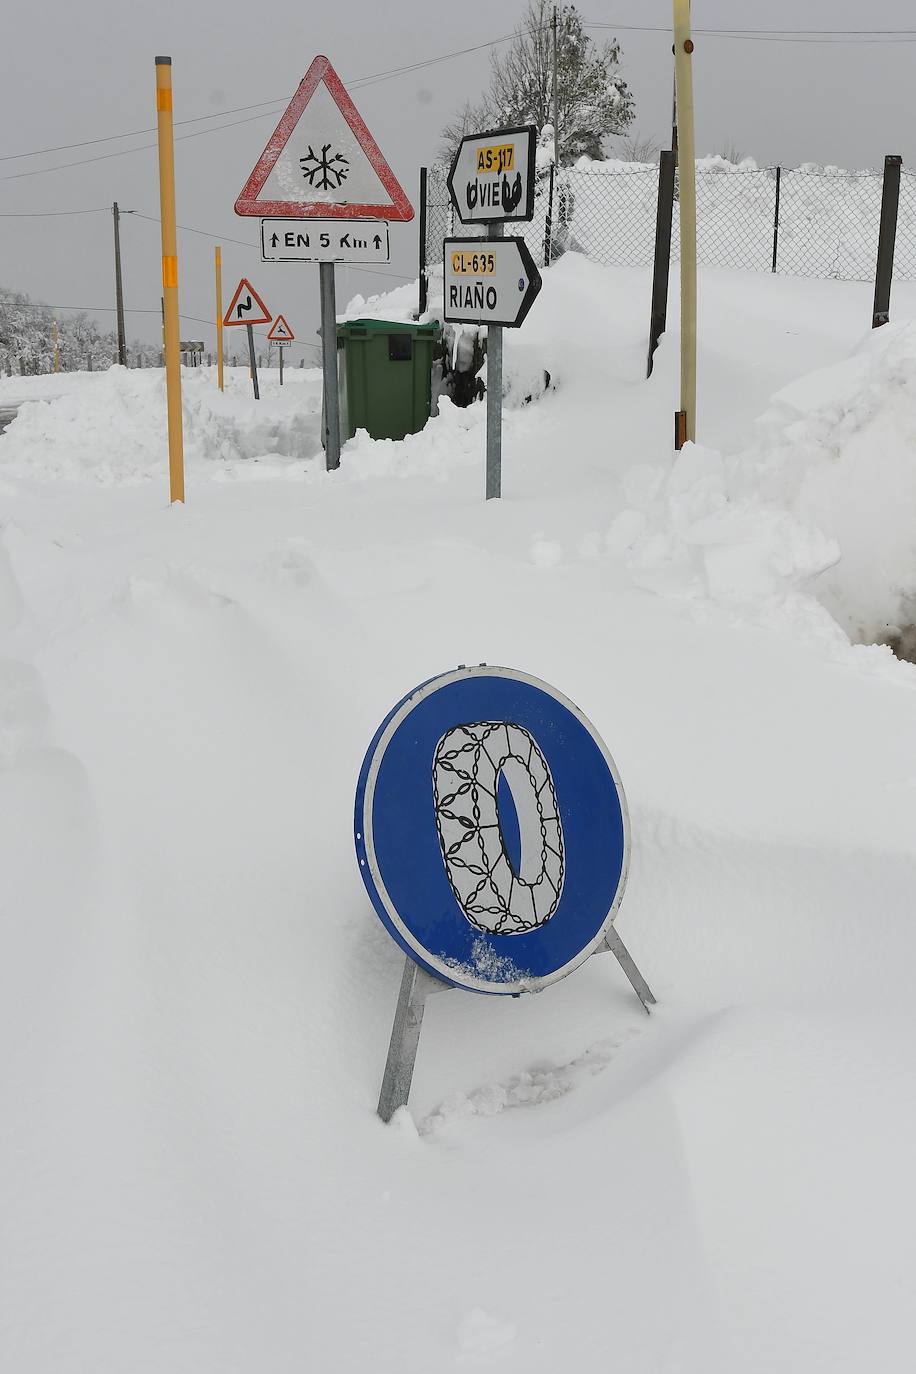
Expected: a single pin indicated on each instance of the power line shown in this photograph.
(128, 310)
(746, 35)
(49, 214)
(245, 243)
(358, 84)
(816, 36)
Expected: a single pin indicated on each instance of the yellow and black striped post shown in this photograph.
(170, 275)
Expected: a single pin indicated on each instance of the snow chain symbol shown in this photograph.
(481, 774)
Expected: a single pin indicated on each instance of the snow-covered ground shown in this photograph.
(196, 996)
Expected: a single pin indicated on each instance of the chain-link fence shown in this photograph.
(803, 222)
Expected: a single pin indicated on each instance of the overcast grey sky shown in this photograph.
(85, 71)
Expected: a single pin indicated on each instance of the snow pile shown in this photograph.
(824, 500)
(196, 997)
(111, 427)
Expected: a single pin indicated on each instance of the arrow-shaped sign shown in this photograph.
(492, 177)
(489, 281)
(244, 306)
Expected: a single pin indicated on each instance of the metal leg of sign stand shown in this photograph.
(416, 986)
(615, 946)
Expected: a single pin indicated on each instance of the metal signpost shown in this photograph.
(280, 334)
(245, 302)
(492, 281)
(322, 164)
(492, 836)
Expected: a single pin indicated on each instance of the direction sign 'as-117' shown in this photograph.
(324, 240)
(489, 281)
(492, 177)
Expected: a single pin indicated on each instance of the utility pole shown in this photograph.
(674, 112)
(556, 106)
(119, 293)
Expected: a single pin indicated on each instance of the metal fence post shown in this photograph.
(422, 303)
(776, 217)
(887, 234)
(667, 163)
(548, 219)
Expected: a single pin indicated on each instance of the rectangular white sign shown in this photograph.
(325, 240)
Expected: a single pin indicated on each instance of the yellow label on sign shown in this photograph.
(474, 264)
(499, 157)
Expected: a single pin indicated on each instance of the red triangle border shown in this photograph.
(245, 285)
(289, 337)
(399, 207)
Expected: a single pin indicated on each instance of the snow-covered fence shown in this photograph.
(828, 218)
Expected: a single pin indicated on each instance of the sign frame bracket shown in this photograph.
(417, 985)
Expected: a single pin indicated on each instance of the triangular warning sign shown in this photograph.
(280, 331)
(322, 160)
(245, 303)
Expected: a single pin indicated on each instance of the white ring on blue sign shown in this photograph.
(492, 830)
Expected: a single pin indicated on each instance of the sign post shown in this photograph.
(280, 334)
(324, 193)
(494, 398)
(245, 302)
(509, 872)
(329, 365)
(491, 182)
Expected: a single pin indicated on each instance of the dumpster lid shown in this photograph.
(374, 326)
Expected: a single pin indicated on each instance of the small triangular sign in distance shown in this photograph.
(321, 160)
(244, 304)
(280, 331)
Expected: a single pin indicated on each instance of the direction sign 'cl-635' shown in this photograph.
(489, 281)
(492, 177)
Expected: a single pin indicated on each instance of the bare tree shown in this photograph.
(470, 119)
(594, 99)
(637, 147)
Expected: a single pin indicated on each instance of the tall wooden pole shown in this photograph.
(119, 290)
(686, 420)
(170, 275)
(219, 317)
(556, 105)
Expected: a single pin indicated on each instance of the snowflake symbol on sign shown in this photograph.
(324, 173)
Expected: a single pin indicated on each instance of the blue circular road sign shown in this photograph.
(492, 831)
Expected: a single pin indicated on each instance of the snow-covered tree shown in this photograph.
(27, 339)
(594, 99)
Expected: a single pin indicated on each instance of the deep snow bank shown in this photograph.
(821, 503)
(111, 427)
(824, 498)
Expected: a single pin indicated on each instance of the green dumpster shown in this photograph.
(385, 376)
